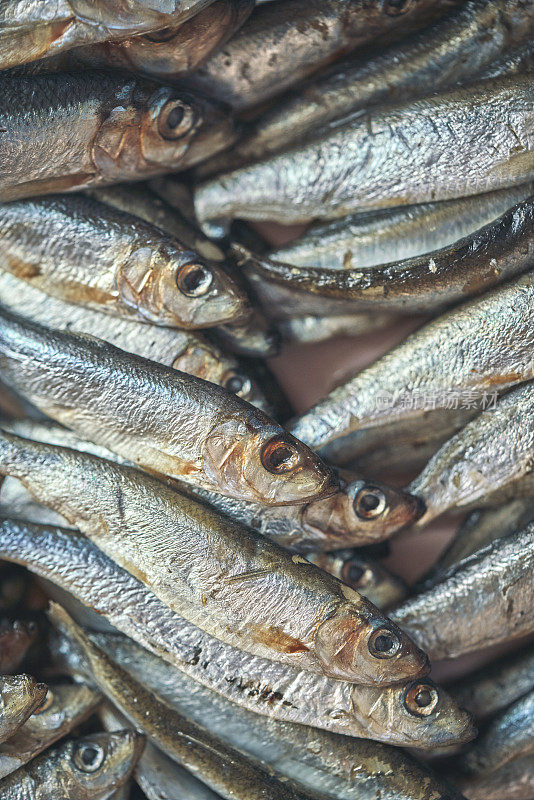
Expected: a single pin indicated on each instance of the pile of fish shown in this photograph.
(194, 598)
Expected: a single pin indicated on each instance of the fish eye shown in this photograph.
(45, 705)
(369, 503)
(384, 643)
(355, 574)
(88, 756)
(420, 699)
(236, 383)
(279, 456)
(194, 280)
(394, 8)
(176, 119)
(162, 35)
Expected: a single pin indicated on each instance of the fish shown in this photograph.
(63, 709)
(185, 351)
(208, 567)
(264, 687)
(166, 54)
(387, 157)
(15, 640)
(89, 768)
(470, 40)
(220, 767)
(509, 735)
(455, 363)
(486, 462)
(20, 696)
(337, 767)
(86, 253)
(119, 129)
(183, 427)
(282, 44)
(480, 529)
(364, 575)
(394, 234)
(486, 600)
(496, 685)
(513, 781)
(30, 32)
(311, 329)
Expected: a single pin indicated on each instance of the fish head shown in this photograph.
(257, 460)
(95, 765)
(62, 704)
(358, 643)
(151, 131)
(20, 696)
(363, 575)
(415, 714)
(362, 512)
(116, 15)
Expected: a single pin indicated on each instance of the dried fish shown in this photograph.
(20, 695)
(113, 129)
(15, 640)
(183, 426)
(319, 329)
(513, 781)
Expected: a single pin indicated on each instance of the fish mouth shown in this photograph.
(214, 135)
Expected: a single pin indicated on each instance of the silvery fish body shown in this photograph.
(498, 684)
(182, 426)
(319, 329)
(459, 360)
(64, 708)
(183, 350)
(20, 695)
(78, 769)
(265, 687)
(31, 30)
(487, 599)
(283, 43)
(69, 131)
(85, 252)
(469, 41)
(514, 780)
(207, 568)
(398, 155)
(337, 767)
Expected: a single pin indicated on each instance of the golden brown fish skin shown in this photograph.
(15, 640)
(486, 600)
(310, 620)
(20, 696)
(78, 769)
(111, 129)
(350, 168)
(166, 54)
(222, 768)
(233, 447)
(31, 30)
(63, 709)
(84, 252)
(469, 40)
(421, 284)
(283, 43)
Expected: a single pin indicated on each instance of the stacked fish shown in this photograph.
(190, 572)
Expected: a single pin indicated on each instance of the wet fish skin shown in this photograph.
(185, 351)
(352, 167)
(82, 251)
(486, 600)
(30, 31)
(20, 695)
(380, 237)
(281, 44)
(114, 129)
(311, 620)
(513, 781)
(495, 686)
(264, 687)
(233, 447)
(63, 709)
(488, 348)
(222, 768)
(59, 773)
(335, 766)
(15, 640)
(166, 54)
(470, 40)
